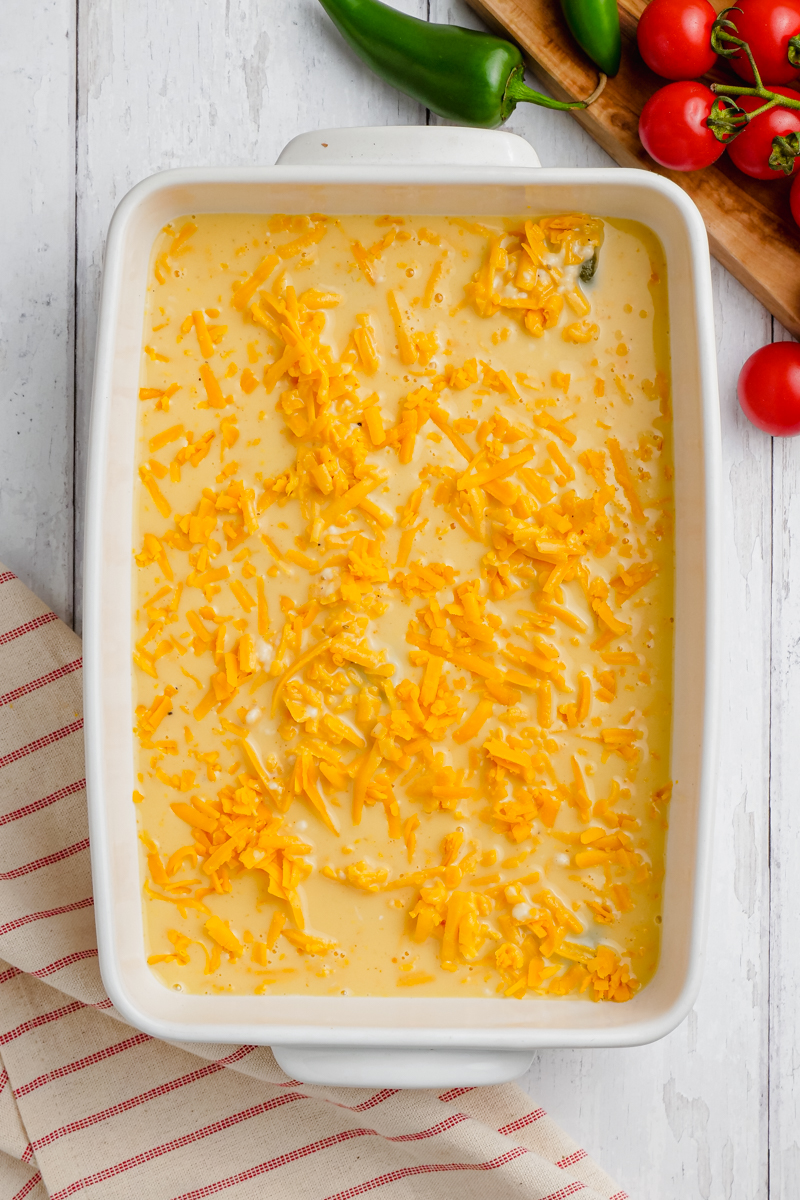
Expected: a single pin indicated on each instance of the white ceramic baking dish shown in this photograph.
(411, 1041)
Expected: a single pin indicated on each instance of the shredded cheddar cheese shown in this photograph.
(404, 606)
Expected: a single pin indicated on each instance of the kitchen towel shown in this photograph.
(91, 1107)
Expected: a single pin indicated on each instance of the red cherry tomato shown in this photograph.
(673, 129)
(750, 149)
(766, 26)
(674, 37)
(794, 201)
(769, 388)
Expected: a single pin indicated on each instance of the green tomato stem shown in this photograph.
(764, 108)
(754, 68)
(723, 124)
(726, 89)
(731, 38)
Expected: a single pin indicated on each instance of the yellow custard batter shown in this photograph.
(403, 605)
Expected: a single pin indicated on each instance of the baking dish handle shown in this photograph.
(409, 145)
(400, 1066)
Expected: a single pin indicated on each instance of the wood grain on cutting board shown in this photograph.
(750, 227)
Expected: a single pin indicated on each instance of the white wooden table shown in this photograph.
(97, 95)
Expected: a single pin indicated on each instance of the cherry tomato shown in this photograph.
(674, 37)
(750, 149)
(673, 129)
(769, 389)
(766, 26)
(794, 201)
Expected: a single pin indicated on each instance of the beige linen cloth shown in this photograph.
(91, 1107)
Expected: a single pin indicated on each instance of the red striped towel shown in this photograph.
(90, 1107)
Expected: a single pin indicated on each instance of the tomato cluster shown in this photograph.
(686, 125)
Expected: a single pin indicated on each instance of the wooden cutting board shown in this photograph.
(750, 227)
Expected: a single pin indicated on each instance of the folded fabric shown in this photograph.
(90, 1106)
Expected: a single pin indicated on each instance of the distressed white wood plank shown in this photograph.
(37, 188)
(784, 1078)
(183, 84)
(687, 1116)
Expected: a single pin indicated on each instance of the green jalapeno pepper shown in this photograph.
(466, 76)
(595, 26)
